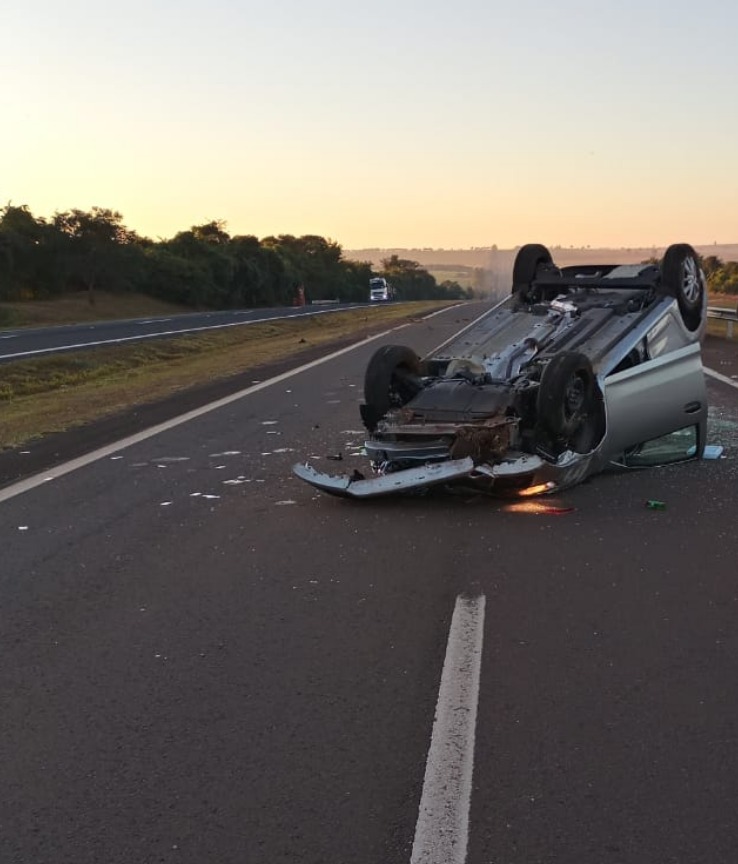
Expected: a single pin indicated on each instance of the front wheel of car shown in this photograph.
(682, 278)
(392, 378)
(568, 406)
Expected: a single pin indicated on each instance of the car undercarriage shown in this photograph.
(521, 400)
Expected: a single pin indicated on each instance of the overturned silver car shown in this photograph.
(578, 369)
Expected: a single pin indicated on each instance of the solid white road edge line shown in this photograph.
(67, 467)
(442, 831)
(718, 377)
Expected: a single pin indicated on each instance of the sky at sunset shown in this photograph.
(396, 123)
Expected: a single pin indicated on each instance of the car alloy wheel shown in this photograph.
(691, 284)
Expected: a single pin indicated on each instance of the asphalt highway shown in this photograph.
(205, 660)
(32, 342)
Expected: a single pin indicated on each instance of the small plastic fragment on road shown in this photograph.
(712, 451)
(165, 503)
(23, 527)
(653, 504)
(337, 457)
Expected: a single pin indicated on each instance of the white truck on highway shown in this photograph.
(380, 291)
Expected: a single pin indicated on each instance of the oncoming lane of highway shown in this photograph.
(33, 342)
(205, 660)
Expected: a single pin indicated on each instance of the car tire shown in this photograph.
(527, 262)
(682, 278)
(568, 406)
(391, 380)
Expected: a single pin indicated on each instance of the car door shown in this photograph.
(655, 397)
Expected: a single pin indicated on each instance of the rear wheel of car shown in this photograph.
(527, 262)
(682, 277)
(568, 406)
(392, 378)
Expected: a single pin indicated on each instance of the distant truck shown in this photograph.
(380, 291)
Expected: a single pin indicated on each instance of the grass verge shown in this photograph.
(76, 309)
(64, 391)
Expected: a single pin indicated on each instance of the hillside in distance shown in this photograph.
(497, 263)
(488, 256)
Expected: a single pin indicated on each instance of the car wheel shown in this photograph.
(391, 380)
(682, 277)
(529, 258)
(568, 406)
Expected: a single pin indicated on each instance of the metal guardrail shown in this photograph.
(728, 315)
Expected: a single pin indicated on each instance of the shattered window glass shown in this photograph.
(674, 447)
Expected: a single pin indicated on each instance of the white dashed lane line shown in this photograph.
(442, 830)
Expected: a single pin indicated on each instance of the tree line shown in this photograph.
(722, 276)
(204, 267)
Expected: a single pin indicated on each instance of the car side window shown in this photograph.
(678, 446)
(638, 355)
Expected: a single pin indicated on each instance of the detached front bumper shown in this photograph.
(386, 484)
(525, 468)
